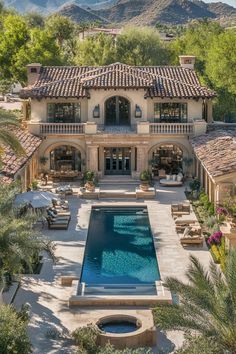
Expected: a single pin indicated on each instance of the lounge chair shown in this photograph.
(182, 221)
(58, 224)
(194, 226)
(180, 209)
(191, 237)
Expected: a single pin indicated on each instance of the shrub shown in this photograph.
(89, 176)
(145, 176)
(109, 349)
(13, 332)
(195, 185)
(86, 338)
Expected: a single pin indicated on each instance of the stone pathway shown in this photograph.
(49, 299)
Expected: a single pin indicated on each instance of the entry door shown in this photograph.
(117, 161)
(117, 110)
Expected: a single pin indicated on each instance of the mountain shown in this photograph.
(138, 12)
(48, 6)
(149, 12)
(78, 14)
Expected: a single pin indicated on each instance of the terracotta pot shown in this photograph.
(144, 186)
(90, 186)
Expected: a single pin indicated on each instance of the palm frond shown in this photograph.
(230, 274)
(8, 138)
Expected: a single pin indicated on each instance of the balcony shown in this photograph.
(171, 128)
(61, 128)
(197, 127)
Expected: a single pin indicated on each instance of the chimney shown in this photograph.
(187, 61)
(33, 71)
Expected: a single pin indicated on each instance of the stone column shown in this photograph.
(24, 109)
(92, 158)
(142, 158)
(209, 112)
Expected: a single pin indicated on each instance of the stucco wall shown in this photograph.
(99, 97)
(194, 107)
(39, 108)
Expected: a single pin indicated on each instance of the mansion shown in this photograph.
(120, 120)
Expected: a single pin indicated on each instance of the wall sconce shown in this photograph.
(138, 112)
(96, 111)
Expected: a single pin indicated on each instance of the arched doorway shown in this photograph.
(117, 111)
(65, 158)
(168, 157)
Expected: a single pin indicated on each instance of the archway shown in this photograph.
(117, 111)
(65, 158)
(167, 157)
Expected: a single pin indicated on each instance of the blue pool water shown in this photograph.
(120, 252)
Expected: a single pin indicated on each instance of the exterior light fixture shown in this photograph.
(138, 112)
(96, 111)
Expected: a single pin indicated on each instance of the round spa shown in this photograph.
(125, 331)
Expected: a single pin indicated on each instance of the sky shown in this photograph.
(230, 2)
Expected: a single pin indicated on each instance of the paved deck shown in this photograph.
(49, 299)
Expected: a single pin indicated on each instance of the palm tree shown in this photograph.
(7, 137)
(207, 305)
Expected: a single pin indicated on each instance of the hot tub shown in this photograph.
(125, 331)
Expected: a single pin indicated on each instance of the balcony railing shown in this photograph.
(171, 128)
(62, 128)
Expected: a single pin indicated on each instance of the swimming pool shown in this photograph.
(119, 255)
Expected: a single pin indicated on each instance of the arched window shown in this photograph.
(65, 158)
(117, 111)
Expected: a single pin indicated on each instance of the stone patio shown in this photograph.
(49, 299)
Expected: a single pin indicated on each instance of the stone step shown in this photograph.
(117, 194)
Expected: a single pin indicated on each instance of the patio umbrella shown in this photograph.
(36, 199)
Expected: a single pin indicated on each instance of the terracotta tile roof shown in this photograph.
(217, 151)
(6, 180)
(12, 163)
(158, 81)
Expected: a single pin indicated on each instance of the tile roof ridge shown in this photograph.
(87, 78)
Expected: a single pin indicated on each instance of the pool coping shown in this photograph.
(163, 295)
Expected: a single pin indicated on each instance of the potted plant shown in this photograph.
(195, 185)
(89, 181)
(145, 178)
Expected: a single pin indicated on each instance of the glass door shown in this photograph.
(117, 161)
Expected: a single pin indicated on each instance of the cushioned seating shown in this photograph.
(190, 236)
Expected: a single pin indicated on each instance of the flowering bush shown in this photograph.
(215, 239)
(222, 211)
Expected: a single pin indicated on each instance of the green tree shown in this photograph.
(196, 41)
(14, 35)
(96, 50)
(221, 61)
(7, 137)
(34, 19)
(60, 27)
(13, 332)
(207, 305)
(141, 46)
(40, 48)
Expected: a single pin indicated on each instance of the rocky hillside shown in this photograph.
(78, 14)
(47, 6)
(149, 12)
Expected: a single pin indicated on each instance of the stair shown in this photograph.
(117, 181)
(117, 195)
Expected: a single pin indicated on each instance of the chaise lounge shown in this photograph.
(191, 236)
(180, 209)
